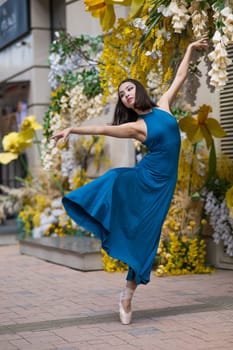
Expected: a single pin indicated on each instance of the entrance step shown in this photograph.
(8, 232)
(80, 253)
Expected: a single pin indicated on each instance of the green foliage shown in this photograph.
(85, 46)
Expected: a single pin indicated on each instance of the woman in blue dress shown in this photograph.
(126, 207)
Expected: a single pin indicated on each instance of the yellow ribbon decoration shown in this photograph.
(104, 10)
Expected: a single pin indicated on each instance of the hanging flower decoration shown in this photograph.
(202, 127)
(197, 19)
(16, 142)
(222, 37)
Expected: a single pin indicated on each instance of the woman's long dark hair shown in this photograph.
(143, 102)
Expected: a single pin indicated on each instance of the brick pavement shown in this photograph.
(49, 307)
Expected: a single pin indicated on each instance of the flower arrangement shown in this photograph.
(84, 77)
(76, 97)
(141, 45)
(77, 93)
(150, 63)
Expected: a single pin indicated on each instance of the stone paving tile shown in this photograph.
(4, 345)
(50, 307)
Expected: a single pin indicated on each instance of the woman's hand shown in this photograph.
(64, 134)
(199, 44)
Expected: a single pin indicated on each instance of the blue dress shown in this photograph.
(126, 207)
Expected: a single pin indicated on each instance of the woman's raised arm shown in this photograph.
(181, 74)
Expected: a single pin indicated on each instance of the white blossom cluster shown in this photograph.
(199, 17)
(50, 155)
(220, 221)
(61, 63)
(178, 10)
(58, 69)
(221, 38)
(68, 163)
(81, 107)
(76, 108)
(49, 216)
(140, 23)
(181, 12)
(154, 81)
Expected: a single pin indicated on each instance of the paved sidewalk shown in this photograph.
(49, 307)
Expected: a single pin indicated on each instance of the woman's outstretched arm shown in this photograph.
(136, 130)
(181, 74)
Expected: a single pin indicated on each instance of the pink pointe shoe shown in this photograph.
(125, 317)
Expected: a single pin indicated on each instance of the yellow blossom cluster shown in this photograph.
(123, 57)
(181, 255)
(192, 167)
(61, 228)
(80, 178)
(112, 265)
(225, 168)
(30, 214)
(229, 200)
(16, 142)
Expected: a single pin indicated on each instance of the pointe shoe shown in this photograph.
(125, 317)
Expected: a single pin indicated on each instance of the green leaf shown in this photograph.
(212, 163)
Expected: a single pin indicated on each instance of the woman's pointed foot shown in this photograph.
(125, 314)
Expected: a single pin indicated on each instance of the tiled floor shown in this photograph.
(46, 307)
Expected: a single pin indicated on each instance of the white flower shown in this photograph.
(226, 11)
(57, 212)
(166, 11)
(220, 220)
(139, 23)
(56, 203)
(180, 16)
(36, 232)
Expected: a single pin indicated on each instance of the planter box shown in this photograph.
(81, 253)
(216, 256)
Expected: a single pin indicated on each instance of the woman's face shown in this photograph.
(127, 93)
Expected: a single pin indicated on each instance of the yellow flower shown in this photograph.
(7, 157)
(30, 123)
(202, 127)
(229, 200)
(15, 142)
(203, 221)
